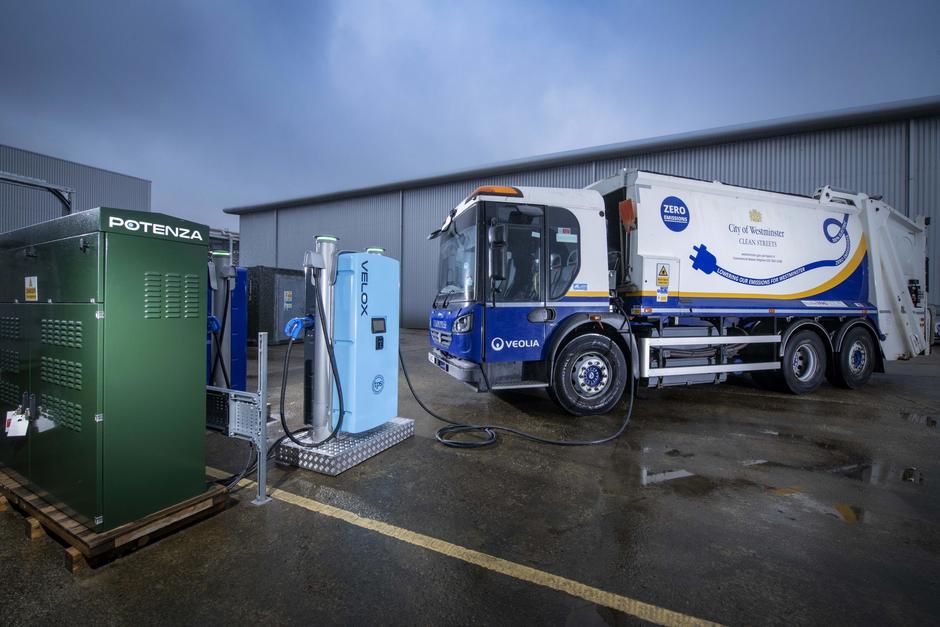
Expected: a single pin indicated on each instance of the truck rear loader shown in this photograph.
(666, 280)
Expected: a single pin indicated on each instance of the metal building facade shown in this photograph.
(22, 206)
(892, 150)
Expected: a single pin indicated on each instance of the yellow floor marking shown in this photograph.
(786, 491)
(645, 611)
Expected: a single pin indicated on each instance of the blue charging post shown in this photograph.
(363, 294)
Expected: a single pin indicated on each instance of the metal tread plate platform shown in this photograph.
(348, 449)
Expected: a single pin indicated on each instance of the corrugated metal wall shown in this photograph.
(22, 206)
(358, 223)
(898, 159)
(925, 190)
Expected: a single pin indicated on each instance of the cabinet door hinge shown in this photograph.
(99, 417)
(99, 520)
(99, 315)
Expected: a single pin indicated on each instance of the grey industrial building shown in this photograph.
(24, 173)
(891, 149)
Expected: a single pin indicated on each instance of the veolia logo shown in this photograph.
(674, 213)
(499, 343)
(152, 227)
(378, 384)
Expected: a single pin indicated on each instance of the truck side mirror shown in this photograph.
(496, 235)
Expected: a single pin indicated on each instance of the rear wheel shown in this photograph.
(590, 375)
(804, 362)
(856, 360)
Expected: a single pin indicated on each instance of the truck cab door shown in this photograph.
(515, 312)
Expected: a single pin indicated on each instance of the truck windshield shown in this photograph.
(458, 262)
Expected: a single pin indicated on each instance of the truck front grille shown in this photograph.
(441, 338)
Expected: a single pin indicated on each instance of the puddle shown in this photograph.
(753, 462)
(877, 472)
(850, 513)
(913, 475)
(919, 419)
(648, 478)
(677, 453)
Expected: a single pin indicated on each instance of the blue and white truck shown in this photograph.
(672, 281)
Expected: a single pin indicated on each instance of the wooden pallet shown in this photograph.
(83, 546)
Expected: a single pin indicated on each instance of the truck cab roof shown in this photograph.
(573, 199)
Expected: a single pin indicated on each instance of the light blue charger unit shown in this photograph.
(365, 339)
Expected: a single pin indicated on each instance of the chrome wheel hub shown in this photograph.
(805, 361)
(858, 358)
(590, 374)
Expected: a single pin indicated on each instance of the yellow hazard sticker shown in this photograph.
(32, 289)
(662, 274)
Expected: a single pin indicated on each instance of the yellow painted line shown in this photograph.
(645, 611)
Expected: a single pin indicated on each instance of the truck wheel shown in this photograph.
(856, 361)
(590, 375)
(804, 362)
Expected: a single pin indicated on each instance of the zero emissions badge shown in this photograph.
(674, 213)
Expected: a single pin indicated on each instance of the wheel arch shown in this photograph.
(865, 323)
(615, 326)
(807, 324)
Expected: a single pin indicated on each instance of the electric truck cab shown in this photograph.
(522, 269)
(668, 280)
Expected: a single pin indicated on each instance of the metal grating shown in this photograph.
(67, 333)
(9, 360)
(442, 338)
(61, 372)
(64, 413)
(10, 328)
(191, 296)
(347, 450)
(9, 393)
(153, 295)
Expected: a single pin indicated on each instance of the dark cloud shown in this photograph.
(229, 103)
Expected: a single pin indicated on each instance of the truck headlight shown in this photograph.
(463, 323)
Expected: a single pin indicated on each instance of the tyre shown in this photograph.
(590, 375)
(856, 360)
(804, 362)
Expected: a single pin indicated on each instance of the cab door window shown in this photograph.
(523, 280)
(564, 251)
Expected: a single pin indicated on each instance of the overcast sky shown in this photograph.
(230, 103)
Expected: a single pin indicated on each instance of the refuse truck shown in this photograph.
(665, 280)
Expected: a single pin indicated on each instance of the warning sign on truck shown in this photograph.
(662, 274)
(32, 289)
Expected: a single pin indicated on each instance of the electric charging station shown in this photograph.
(354, 418)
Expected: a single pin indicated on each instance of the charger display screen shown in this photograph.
(378, 325)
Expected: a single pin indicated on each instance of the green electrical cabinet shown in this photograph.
(102, 337)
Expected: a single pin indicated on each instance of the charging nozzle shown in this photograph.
(295, 326)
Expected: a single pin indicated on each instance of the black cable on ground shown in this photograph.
(444, 434)
(233, 481)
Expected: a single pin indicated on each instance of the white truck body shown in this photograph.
(734, 250)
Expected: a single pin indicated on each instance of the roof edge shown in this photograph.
(902, 109)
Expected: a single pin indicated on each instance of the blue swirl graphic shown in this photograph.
(706, 261)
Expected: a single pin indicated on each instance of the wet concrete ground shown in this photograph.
(725, 503)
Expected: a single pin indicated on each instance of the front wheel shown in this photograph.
(589, 376)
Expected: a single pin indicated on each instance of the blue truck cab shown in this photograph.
(521, 269)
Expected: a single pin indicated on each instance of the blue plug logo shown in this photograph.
(703, 259)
